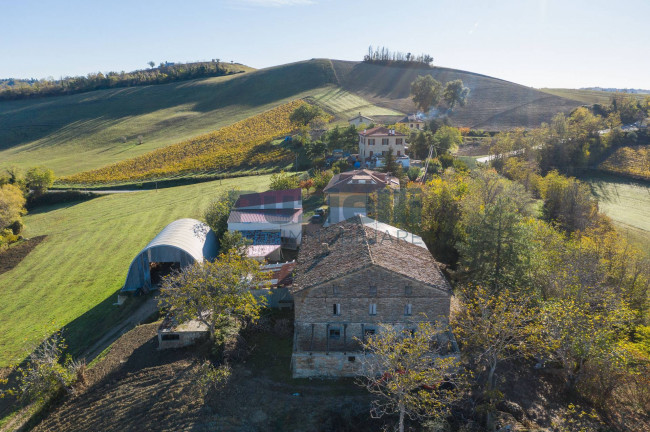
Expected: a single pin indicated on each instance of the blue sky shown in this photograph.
(541, 43)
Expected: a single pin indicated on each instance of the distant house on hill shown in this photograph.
(271, 220)
(413, 122)
(348, 193)
(350, 278)
(378, 141)
(360, 119)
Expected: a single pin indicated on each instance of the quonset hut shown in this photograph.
(181, 243)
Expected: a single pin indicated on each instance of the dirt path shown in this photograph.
(148, 308)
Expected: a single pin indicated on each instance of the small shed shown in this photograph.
(180, 244)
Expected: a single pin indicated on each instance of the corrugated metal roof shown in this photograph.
(269, 198)
(190, 235)
(271, 216)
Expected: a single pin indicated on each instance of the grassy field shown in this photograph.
(589, 97)
(76, 133)
(346, 105)
(627, 202)
(72, 277)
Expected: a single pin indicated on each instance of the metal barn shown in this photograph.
(181, 243)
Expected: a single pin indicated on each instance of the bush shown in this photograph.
(413, 173)
(284, 181)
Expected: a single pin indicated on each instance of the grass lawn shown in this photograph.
(627, 202)
(72, 277)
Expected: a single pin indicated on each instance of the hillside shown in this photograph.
(494, 104)
(80, 132)
(588, 97)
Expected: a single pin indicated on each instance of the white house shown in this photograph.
(377, 142)
(361, 119)
(413, 122)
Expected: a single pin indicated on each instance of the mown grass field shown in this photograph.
(627, 202)
(346, 105)
(589, 97)
(72, 277)
(76, 133)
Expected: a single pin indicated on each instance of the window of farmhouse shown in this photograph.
(398, 141)
(384, 141)
(336, 309)
(371, 141)
(372, 310)
(373, 290)
(335, 333)
(408, 310)
(408, 290)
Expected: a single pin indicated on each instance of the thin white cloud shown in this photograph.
(473, 28)
(276, 3)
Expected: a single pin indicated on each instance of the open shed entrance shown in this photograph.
(158, 270)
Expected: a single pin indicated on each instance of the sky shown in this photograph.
(539, 43)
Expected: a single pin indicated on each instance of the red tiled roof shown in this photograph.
(379, 131)
(350, 246)
(268, 197)
(273, 216)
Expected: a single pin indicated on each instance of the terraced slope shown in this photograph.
(494, 104)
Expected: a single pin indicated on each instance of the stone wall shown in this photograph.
(334, 365)
(318, 329)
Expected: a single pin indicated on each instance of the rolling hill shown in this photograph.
(80, 132)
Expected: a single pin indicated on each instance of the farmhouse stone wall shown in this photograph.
(319, 331)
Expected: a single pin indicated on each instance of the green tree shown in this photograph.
(497, 249)
(390, 164)
(215, 293)
(411, 373)
(419, 143)
(304, 114)
(284, 181)
(426, 92)
(455, 93)
(151, 64)
(413, 173)
(316, 149)
(322, 179)
(218, 211)
(568, 202)
(39, 179)
(233, 241)
(447, 139)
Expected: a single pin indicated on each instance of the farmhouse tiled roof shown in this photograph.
(355, 244)
(380, 131)
(272, 216)
(360, 181)
(268, 198)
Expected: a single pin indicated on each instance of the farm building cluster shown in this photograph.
(349, 275)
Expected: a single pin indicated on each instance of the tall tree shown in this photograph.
(410, 373)
(426, 92)
(12, 205)
(39, 179)
(455, 93)
(216, 215)
(214, 293)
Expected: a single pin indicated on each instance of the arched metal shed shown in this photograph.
(182, 243)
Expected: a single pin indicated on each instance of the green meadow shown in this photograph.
(72, 278)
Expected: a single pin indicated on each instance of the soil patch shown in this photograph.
(11, 257)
